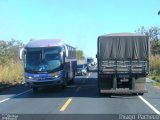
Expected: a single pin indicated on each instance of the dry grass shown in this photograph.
(11, 73)
(155, 67)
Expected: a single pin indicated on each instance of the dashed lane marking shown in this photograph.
(70, 99)
(66, 104)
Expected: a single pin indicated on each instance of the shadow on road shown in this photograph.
(83, 87)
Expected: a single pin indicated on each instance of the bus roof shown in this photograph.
(44, 43)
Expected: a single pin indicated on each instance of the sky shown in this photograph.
(76, 22)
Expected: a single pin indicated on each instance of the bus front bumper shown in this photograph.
(43, 83)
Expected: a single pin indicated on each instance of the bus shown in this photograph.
(48, 62)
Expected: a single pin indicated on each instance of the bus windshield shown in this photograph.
(43, 59)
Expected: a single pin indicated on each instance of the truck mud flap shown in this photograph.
(123, 91)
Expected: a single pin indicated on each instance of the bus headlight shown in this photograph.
(28, 77)
(55, 74)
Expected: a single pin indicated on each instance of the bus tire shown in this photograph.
(35, 89)
(65, 79)
(63, 86)
(72, 81)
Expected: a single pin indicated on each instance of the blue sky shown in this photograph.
(77, 22)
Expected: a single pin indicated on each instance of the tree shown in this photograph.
(8, 50)
(80, 55)
(154, 36)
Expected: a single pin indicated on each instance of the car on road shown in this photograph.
(87, 67)
(81, 69)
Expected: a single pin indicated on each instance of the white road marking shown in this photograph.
(149, 105)
(15, 96)
(4, 100)
(25, 92)
(88, 75)
(21, 93)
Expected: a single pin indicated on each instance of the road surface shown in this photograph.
(80, 98)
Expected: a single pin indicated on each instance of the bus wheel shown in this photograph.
(72, 81)
(35, 89)
(64, 84)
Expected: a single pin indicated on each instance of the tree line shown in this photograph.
(9, 49)
(154, 36)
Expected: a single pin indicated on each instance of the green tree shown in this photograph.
(154, 36)
(80, 55)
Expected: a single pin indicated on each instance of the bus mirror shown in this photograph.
(20, 53)
(61, 53)
(96, 56)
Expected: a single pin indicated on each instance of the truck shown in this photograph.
(123, 63)
(48, 62)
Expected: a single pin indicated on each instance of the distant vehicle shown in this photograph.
(48, 62)
(87, 67)
(90, 61)
(123, 63)
(81, 69)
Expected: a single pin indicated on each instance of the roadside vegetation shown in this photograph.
(11, 73)
(155, 69)
(11, 70)
(154, 36)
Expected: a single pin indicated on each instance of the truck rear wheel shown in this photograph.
(71, 81)
(141, 94)
(108, 95)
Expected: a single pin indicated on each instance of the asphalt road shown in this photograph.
(80, 98)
